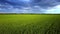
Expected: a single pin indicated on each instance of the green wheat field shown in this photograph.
(29, 24)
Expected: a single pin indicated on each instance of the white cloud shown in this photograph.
(35, 9)
(55, 9)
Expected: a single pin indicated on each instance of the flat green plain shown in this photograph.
(29, 24)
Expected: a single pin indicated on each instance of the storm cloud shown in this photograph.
(33, 6)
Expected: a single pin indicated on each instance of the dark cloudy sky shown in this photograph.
(29, 6)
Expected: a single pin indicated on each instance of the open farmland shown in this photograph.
(29, 24)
